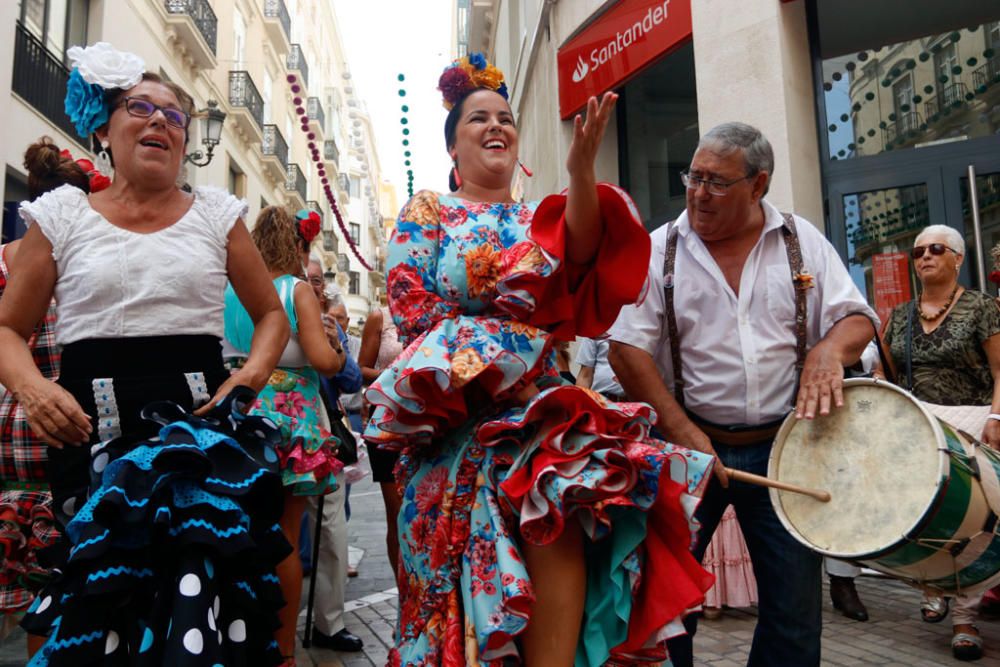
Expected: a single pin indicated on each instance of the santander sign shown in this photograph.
(626, 37)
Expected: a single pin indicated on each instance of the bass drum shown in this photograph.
(911, 495)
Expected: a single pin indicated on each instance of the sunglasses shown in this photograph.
(934, 248)
(136, 106)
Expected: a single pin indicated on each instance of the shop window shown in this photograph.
(658, 117)
(930, 78)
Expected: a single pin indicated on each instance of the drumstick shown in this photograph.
(750, 478)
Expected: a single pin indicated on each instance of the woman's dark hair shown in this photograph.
(451, 129)
(48, 169)
(114, 96)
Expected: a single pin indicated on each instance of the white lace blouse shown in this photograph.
(113, 283)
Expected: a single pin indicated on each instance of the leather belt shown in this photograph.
(739, 434)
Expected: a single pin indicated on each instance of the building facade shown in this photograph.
(265, 63)
(884, 117)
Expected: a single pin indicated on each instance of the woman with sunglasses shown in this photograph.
(950, 332)
(170, 520)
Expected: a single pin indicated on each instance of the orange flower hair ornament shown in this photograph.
(469, 73)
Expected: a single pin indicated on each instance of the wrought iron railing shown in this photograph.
(275, 9)
(315, 110)
(313, 205)
(295, 180)
(243, 93)
(904, 126)
(40, 79)
(330, 151)
(345, 183)
(202, 15)
(274, 144)
(296, 60)
(986, 74)
(329, 240)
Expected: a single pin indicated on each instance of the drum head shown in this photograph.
(879, 458)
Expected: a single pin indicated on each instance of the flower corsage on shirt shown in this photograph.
(804, 280)
(97, 69)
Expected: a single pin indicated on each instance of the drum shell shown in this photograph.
(946, 545)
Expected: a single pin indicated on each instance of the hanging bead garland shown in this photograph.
(321, 168)
(407, 153)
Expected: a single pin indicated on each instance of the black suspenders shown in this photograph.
(794, 251)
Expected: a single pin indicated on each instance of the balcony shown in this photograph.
(906, 127)
(247, 104)
(275, 152)
(329, 241)
(296, 62)
(317, 119)
(194, 28)
(278, 25)
(313, 205)
(40, 80)
(295, 185)
(948, 99)
(986, 74)
(331, 153)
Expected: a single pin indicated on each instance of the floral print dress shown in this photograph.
(481, 292)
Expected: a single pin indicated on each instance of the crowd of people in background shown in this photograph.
(186, 406)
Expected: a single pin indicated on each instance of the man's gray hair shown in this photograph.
(953, 239)
(727, 138)
(334, 297)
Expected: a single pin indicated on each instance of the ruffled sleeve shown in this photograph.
(544, 289)
(55, 213)
(220, 210)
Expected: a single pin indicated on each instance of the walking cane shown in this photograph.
(318, 534)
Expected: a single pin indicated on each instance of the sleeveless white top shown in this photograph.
(113, 283)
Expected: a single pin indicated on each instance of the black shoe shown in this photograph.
(845, 598)
(342, 641)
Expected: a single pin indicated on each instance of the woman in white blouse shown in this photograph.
(169, 528)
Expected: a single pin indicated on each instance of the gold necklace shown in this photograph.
(941, 311)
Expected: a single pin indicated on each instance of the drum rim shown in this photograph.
(944, 475)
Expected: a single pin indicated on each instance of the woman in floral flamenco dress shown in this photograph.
(540, 523)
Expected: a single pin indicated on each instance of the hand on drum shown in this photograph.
(821, 385)
(53, 414)
(991, 434)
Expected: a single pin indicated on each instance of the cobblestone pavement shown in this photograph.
(895, 635)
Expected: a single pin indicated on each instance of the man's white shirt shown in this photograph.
(738, 351)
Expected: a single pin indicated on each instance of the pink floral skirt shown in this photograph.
(728, 559)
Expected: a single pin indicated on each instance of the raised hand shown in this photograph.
(587, 134)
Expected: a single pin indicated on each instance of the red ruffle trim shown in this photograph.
(584, 300)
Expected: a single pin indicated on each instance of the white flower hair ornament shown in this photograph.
(95, 70)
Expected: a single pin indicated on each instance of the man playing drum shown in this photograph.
(744, 306)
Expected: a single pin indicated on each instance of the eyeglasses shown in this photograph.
(140, 108)
(715, 188)
(934, 248)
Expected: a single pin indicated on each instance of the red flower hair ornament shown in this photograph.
(98, 181)
(308, 224)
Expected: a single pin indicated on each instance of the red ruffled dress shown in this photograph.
(480, 293)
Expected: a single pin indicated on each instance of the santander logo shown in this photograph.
(581, 70)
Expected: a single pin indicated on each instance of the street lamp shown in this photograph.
(329, 275)
(211, 120)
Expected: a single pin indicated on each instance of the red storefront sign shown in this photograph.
(623, 40)
(890, 282)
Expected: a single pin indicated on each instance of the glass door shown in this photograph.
(978, 207)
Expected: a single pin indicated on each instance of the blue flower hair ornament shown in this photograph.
(85, 104)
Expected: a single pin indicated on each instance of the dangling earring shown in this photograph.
(104, 160)
(456, 177)
(527, 172)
